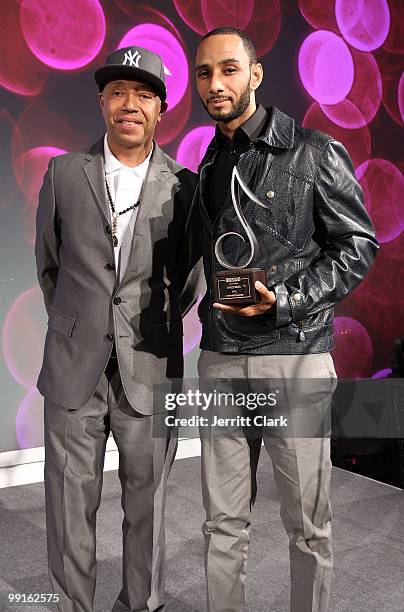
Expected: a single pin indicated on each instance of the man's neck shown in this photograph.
(228, 129)
(130, 157)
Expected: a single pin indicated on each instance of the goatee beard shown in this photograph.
(237, 110)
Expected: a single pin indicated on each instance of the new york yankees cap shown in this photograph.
(134, 63)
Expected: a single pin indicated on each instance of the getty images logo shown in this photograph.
(132, 59)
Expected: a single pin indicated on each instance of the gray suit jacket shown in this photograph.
(88, 308)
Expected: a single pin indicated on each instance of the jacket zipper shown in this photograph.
(300, 324)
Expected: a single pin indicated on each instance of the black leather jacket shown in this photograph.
(316, 240)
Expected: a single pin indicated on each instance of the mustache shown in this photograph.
(218, 98)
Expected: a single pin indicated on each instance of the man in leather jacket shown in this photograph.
(316, 243)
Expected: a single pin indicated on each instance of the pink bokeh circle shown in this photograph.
(63, 35)
(140, 13)
(193, 146)
(353, 353)
(320, 14)
(326, 67)
(216, 13)
(384, 285)
(30, 168)
(20, 71)
(356, 141)
(38, 126)
(164, 43)
(23, 334)
(191, 14)
(383, 188)
(265, 25)
(29, 420)
(260, 19)
(364, 99)
(391, 68)
(364, 24)
(394, 42)
(400, 96)
(192, 329)
(379, 305)
(8, 186)
(174, 121)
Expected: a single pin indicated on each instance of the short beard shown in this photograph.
(237, 109)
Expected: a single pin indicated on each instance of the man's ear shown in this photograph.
(257, 74)
(163, 109)
(101, 100)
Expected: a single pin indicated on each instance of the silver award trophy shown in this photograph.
(236, 284)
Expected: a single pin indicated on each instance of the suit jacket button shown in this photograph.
(117, 301)
(270, 194)
(109, 266)
(108, 229)
(109, 337)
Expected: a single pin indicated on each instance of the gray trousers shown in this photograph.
(75, 442)
(302, 470)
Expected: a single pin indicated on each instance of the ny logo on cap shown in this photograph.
(132, 59)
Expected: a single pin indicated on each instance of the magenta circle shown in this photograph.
(265, 25)
(394, 42)
(319, 14)
(24, 326)
(164, 43)
(20, 71)
(63, 35)
(191, 14)
(216, 13)
(400, 96)
(326, 67)
(29, 420)
(193, 146)
(30, 168)
(356, 141)
(391, 67)
(384, 285)
(192, 328)
(383, 188)
(174, 121)
(353, 351)
(364, 99)
(365, 24)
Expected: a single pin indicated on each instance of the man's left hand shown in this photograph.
(268, 299)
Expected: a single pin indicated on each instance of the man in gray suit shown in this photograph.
(115, 270)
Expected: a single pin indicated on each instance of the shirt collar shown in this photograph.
(112, 164)
(249, 130)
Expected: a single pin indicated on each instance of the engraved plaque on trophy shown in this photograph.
(236, 284)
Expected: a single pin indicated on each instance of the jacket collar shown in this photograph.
(280, 129)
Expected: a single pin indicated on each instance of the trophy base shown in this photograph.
(237, 287)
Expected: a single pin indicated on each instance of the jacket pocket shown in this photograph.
(61, 322)
(287, 200)
(166, 332)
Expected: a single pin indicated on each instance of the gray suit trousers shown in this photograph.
(75, 442)
(302, 470)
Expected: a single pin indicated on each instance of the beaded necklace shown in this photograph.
(115, 214)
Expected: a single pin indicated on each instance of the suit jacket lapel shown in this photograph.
(157, 174)
(95, 174)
